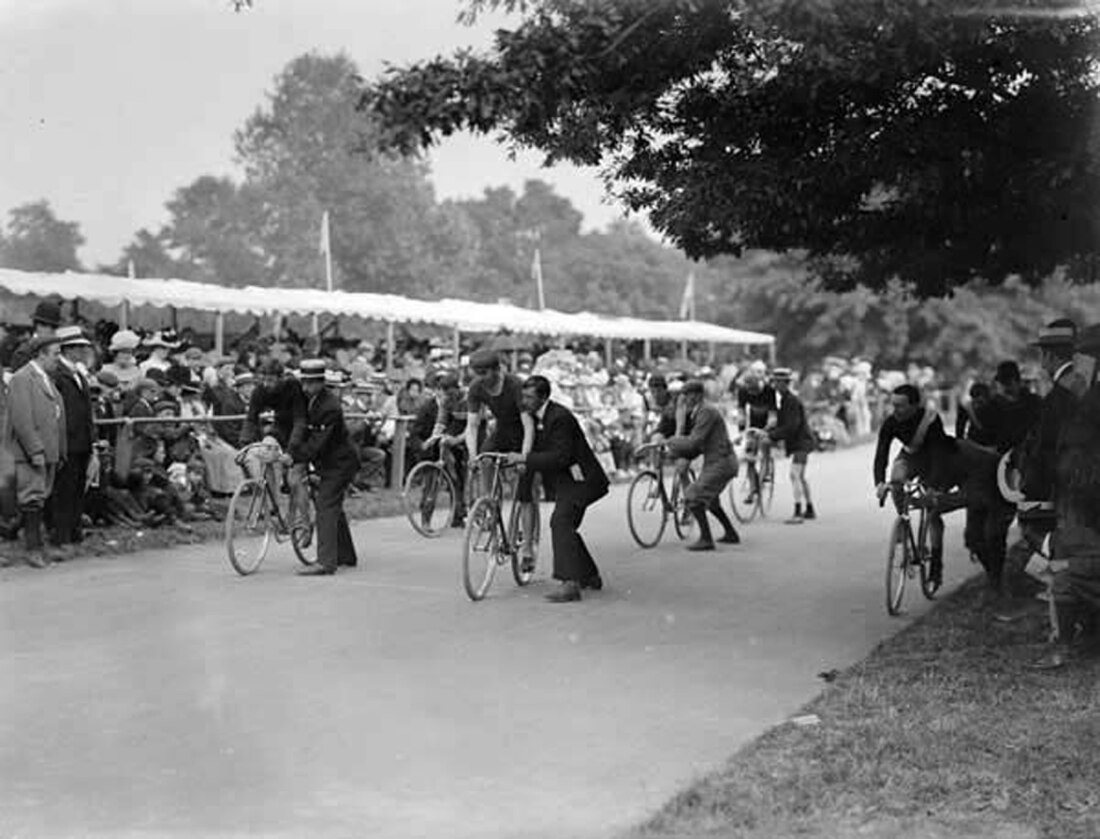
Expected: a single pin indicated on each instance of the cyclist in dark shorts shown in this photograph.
(758, 405)
(793, 430)
(499, 395)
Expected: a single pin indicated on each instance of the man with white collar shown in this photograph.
(36, 439)
(66, 504)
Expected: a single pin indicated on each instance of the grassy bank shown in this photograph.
(943, 731)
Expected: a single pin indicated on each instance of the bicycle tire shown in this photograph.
(429, 498)
(246, 522)
(767, 486)
(924, 550)
(480, 548)
(644, 500)
(683, 522)
(739, 489)
(304, 538)
(897, 565)
(522, 577)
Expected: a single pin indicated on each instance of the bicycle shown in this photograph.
(488, 541)
(752, 494)
(648, 498)
(255, 513)
(909, 553)
(430, 494)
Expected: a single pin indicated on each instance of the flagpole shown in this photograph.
(537, 269)
(326, 249)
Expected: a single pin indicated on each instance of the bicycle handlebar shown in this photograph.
(499, 457)
(243, 453)
(648, 446)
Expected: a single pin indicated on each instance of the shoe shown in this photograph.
(317, 571)
(567, 592)
(459, 522)
(795, 520)
(348, 563)
(1053, 660)
(527, 564)
(594, 583)
(37, 559)
(730, 539)
(60, 553)
(701, 545)
(809, 515)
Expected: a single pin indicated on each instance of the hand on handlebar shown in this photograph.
(881, 491)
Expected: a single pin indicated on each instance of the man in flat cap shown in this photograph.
(37, 440)
(325, 444)
(708, 437)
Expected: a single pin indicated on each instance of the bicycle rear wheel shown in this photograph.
(249, 528)
(924, 551)
(430, 498)
(897, 565)
(646, 514)
(682, 519)
(767, 485)
(522, 577)
(481, 548)
(743, 494)
(303, 530)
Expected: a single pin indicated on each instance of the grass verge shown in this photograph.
(107, 541)
(943, 731)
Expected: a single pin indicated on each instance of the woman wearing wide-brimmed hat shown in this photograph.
(123, 365)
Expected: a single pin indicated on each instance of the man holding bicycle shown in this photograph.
(449, 430)
(927, 453)
(501, 395)
(758, 406)
(282, 394)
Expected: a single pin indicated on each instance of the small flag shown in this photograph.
(687, 302)
(536, 275)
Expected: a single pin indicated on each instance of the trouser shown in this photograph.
(572, 559)
(334, 543)
(66, 504)
(986, 534)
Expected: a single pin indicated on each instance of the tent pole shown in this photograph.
(219, 333)
(391, 337)
(710, 353)
(316, 325)
(684, 349)
(175, 319)
(771, 354)
(608, 353)
(124, 314)
(647, 350)
(458, 346)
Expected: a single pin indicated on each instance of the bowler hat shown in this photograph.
(48, 312)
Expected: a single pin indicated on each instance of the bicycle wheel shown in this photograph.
(249, 527)
(303, 535)
(515, 529)
(646, 513)
(897, 565)
(924, 551)
(767, 485)
(743, 494)
(682, 519)
(429, 497)
(481, 548)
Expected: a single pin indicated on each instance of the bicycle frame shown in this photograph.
(659, 455)
(496, 492)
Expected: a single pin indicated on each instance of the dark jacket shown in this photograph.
(79, 413)
(559, 446)
(792, 428)
(224, 401)
(1040, 449)
(708, 436)
(324, 442)
(288, 401)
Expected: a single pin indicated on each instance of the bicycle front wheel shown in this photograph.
(521, 576)
(303, 528)
(682, 519)
(767, 485)
(249, 527)
(481, 548)
(430, 499)
(897, 565)
(743, 492)
(646, 513)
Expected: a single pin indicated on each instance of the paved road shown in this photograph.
(159, 694)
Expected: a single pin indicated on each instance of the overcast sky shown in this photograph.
(108, 106)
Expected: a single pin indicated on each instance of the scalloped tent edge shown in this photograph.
(463, 315)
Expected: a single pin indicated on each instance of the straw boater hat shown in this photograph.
(72, 336)
(1058, 333)
(312, 370)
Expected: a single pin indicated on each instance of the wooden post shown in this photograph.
(400, 438)
(608, 353)
(710, 353)
(391, 339)
(458, 346)
(647, 350)
(124, 314)
(219, 333)
(684, 349)
(175, 319)
(771, 354)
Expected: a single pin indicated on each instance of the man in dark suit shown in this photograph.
(325, 444)
(66, 505)
(572, 474)
(36, 439)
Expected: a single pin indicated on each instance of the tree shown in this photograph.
(38, 241)
(925, 140)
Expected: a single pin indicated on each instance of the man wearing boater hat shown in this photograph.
(793, 430)
(67, 501)
(326, 445)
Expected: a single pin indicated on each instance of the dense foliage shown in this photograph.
(925, 140)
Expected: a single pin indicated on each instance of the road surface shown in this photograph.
(159, 694)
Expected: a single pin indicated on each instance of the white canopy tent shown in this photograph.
(459, 315)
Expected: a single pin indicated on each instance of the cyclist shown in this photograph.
(449, 430)
(500, 395)
(708, 437)
(283, 394)
(758, 407)
(793, 431)
(927, 453)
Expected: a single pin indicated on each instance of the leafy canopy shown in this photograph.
(925, 140)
